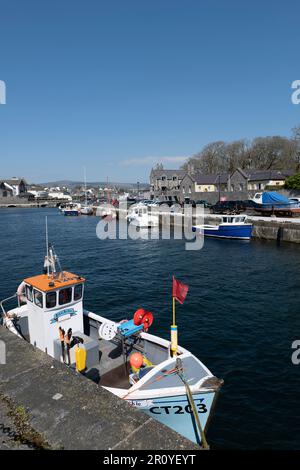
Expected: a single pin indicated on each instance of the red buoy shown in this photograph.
(147, 320)
(137, 317)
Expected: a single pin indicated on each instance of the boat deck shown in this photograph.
(112, 370)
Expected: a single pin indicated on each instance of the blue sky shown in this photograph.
(121, 84)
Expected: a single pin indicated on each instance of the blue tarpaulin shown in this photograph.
(274, 198)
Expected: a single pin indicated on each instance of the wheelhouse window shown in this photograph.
(51, 300)
(78, 292)
(65, 296)
(28, 293)
(38, 298)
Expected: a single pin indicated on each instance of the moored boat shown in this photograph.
(72, 210)
(175, 388)
(271, 202)
(234, 227)
(142, 216)
(86, 210)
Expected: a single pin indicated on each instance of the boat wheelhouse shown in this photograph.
(142, 216)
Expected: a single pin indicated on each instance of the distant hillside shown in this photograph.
(72, 184)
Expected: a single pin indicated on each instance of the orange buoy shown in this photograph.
(147, 320)
(136, 360)
(137, 317)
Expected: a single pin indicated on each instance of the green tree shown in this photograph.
(293, 182)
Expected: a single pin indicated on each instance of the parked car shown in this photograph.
(250, 204)
(205, 203)
(294, 199)
(176, 208)
(228, 207)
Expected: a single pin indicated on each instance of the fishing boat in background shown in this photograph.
(234, 227)
(156, 375)
(72, 209)
(142, 216)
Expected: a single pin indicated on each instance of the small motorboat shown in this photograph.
(142, 216)
(86, 210)
(229, 227)
(271, 202)
(72, 210)
(156, 375)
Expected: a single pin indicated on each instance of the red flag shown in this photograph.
(180, 290)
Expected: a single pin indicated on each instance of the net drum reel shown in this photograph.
(108, 330)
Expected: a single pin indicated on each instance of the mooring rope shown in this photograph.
(192, 403)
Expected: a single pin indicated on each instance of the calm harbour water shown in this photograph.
(240, 318)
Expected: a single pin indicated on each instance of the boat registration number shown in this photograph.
(177, 409)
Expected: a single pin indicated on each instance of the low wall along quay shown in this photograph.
(46, 405)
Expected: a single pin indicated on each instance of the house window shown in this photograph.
(241, 187)
(65, 296)
(174, 178)
(163, 178)
(190, 189)
(51, 300)
(38, 298)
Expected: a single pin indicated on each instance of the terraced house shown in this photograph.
(258, 180)
(165, 184)
(193, 185)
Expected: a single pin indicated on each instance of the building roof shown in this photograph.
(221, 178)
(13, 181)
(46, 284)
(6, 186)
(168, 173)
(266, 175)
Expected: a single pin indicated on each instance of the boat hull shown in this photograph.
(86, 211)
(239, 232)
(72, 213)
(175, 412)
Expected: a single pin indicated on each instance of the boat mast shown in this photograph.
(47, 248)
(84, 171)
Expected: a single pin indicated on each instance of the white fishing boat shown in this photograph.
(87, 210)
(142, 216)
(73, 209)
(156, 375)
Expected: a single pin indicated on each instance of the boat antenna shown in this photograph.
(84, 171)
(47, 248)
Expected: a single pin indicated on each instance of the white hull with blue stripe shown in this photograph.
(233, 227)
